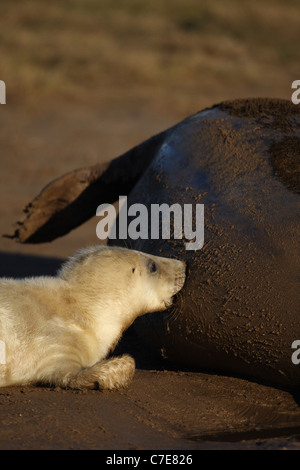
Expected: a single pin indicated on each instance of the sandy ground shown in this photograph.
(164, 408)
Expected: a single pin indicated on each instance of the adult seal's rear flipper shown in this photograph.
(72, 199)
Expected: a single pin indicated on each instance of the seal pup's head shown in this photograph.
(124, 280)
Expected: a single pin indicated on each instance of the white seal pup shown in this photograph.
(59, 330)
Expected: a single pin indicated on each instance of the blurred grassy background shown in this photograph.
(179, 54)
(88, 79)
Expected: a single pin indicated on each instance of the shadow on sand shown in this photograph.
(18, 265)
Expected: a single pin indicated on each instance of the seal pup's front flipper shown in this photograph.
(109, 374)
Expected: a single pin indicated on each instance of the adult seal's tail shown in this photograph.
(239, 308)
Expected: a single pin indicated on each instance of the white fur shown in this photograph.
(58, 330)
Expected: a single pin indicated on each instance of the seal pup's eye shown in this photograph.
(133, 269)
(152, 266)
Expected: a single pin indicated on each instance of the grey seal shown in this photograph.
(238, 312)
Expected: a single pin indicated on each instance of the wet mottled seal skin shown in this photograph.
(238, 312)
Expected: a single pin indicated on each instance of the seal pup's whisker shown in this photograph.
(175, 310)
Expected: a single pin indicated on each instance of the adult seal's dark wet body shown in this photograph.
(239, 309)
(238, 312)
